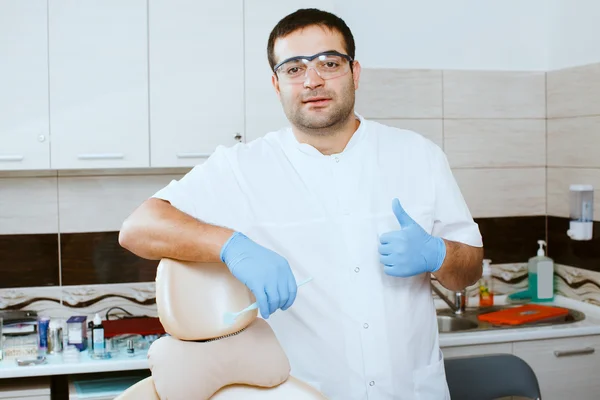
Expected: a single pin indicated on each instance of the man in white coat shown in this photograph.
(366, 210)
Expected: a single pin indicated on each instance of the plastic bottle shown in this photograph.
(98, 336)
(486, 291)
(541, 276)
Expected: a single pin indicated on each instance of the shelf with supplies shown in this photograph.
(35, 345)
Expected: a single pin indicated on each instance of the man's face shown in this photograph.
(315, 104)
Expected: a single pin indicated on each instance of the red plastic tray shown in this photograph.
(523, 314)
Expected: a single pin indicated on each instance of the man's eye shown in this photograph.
(293, 71)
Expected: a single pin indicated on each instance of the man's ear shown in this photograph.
(275, 83)
(356, 73)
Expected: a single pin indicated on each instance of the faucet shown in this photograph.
(460, 299)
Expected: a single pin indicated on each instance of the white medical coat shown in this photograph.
(353, 332)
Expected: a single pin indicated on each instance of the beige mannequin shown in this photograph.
(241, 361)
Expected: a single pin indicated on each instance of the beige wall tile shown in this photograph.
(574, 91)
(503, 192)
(491, 94)
(430, 128)
(397, 93)
(98, 204)
(574, 142)
(28, 205)
(495, 142)
(559, 180)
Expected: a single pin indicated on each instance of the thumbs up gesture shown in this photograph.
(410, 250)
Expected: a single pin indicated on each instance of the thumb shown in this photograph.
(403, 218)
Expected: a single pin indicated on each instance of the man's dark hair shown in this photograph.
(309, 17)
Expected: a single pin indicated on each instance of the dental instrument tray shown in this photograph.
(523, 314)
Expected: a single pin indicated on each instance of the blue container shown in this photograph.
(43, 325)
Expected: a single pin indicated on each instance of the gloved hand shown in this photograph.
(267, 274)
(410, 250)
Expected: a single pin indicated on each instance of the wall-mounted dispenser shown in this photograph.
(581, 203)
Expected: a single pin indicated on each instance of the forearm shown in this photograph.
(462, 266)
(158, 230)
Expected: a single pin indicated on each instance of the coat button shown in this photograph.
(356, 269)
(372, 383)
(365, 325)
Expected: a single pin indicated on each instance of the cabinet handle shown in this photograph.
(193, 155)
(15, 157)
(576, 352)
(101, 156)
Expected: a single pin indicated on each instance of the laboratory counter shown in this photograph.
(122, 361)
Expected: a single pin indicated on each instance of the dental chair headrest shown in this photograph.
(192, 298)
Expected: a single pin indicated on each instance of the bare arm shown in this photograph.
(158, 230)
(462, 266)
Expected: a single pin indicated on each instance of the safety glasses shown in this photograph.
(327, 64)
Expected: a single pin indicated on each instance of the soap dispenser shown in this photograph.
(486, 291)
(541, 276)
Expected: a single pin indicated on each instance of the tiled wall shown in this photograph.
(573, 97)
(87, 208)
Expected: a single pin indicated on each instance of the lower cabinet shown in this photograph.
(566, 368)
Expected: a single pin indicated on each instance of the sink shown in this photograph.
(449, 322)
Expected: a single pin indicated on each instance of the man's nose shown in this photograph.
(313, 79)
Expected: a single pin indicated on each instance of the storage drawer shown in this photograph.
(477, 349)
(101, 388)
(566, 368)
(25, 388)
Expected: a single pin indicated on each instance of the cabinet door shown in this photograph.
(565, 368)
(24, 126)
(196, 79)
(263, 109)
(98, 84)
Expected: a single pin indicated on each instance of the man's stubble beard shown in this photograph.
(336, 115)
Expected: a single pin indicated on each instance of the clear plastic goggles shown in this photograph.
(328, 65)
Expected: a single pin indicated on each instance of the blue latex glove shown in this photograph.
(410, 250)
(267, 274)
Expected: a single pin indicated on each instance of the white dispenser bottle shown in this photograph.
(98, 336)
(581, 212)
(541, 276)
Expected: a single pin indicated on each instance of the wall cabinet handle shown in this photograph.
(101, 156)
(14, 157)
(193, 155)
(575, 352)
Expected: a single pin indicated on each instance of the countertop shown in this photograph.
(122, 362)
(588, 326)
(55, 365)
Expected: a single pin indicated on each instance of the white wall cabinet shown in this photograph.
(24, 126)
(566, 368)
(196, 79)
(98, 57)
